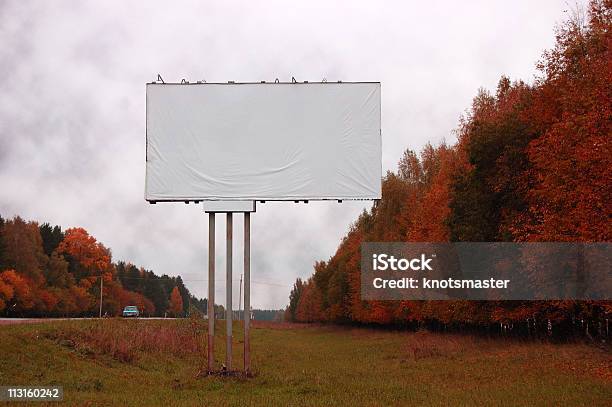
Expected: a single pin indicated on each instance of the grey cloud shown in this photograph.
(72, 77)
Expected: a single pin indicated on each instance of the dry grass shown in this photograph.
(156, 362)
(124, 340)
(575, 358)
(423, 344)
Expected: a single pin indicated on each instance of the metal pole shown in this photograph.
(228, 294)
(247, 291)
(101, 288)
(240, 300)
(211, 291)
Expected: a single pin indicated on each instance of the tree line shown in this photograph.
(532, 164)
(45, 271)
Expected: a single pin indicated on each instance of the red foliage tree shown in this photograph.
(571, 173)
(45, 301)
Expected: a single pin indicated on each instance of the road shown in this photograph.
(9, 321)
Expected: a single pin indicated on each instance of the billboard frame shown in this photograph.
(245, 206)
(161, 82)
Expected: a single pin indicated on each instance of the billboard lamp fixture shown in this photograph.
(339, 200)
(184, 81)
(276, 80)
(160, 79)
(293, 80)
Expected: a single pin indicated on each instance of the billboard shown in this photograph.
(263, 141)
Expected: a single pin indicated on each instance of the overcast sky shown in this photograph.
(72, 108)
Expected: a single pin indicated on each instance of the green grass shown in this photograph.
(138, 362)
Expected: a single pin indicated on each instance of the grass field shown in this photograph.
(157, 362)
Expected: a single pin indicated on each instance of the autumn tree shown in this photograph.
(571, 169)
(22, 250)
(45, 301)
(488, 192)
(22, 299)
(6, 293)
(178, 281)
(46, 272)
(410, 168)
(309, 307)
(87, 256)
(56, 272)
(427, 218)
(532, 163)
(176, 302)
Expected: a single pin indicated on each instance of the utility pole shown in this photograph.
(101, 288)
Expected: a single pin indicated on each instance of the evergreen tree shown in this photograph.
(294, 299)
(51, 237)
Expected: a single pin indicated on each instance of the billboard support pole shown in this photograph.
(228, 294)
(245, 316)
(247, 292)
(101, 290)
(239, 315)
(211, 291)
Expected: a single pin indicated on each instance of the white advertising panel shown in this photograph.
(268, 141)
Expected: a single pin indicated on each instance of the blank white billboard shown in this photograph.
(263, 141)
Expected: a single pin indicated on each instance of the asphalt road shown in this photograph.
(9, 321)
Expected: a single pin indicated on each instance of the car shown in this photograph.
(131, 311)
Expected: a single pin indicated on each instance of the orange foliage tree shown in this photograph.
(93, 257)
(21, 299)
(176, 302)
